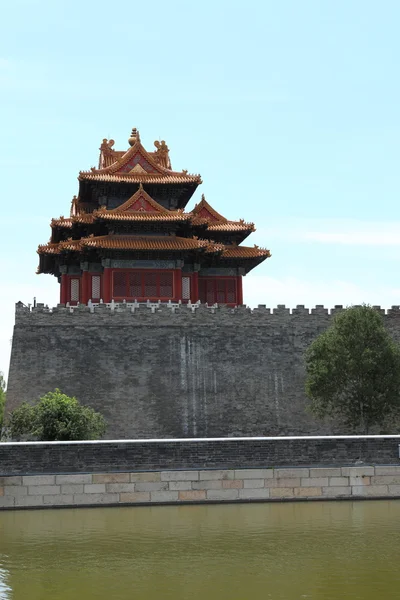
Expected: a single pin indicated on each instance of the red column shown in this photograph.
(85, 280)
(177, 284)
(194, 291)
(107, 284)
(64, 289)
(239, 290)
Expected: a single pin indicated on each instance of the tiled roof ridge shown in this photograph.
(204, 204)
(140, 193)
(121, 161)
(173, 178)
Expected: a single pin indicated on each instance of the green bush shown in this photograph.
(56, 417)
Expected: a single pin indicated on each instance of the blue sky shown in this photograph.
(289, 110)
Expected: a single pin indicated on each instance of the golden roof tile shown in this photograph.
(140, 201)
(204, 210)
(137, 178)
(245, 252)
(141, 216)
(231, 226)
(50, 248)
(121, 242)
(115, 242)
(205, 213)
(83, 218)
(62, 222)
(74, 245)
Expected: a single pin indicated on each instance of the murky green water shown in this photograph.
(319, 551)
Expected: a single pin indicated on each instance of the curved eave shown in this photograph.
(140, 178)
(62, 223)
(142, 217)
(231, 227)
(245, 252)
(130, 243)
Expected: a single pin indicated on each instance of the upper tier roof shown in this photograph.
(141, 207)
(136, 165)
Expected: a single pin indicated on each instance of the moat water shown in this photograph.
(318, 551)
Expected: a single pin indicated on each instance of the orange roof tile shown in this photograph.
(142, 199)
(231, 226)
(245, 252)
(205, 213)
(137, 178)
(49, 248)
(83, 218)
(74, 245)
(141, 216)
(116, 242)
(62, 222)
(204, 210)
(120, 242)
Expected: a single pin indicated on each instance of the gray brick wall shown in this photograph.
(162, 372)
(102, 457)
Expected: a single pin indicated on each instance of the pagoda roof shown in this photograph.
(136, 165)
(140, 207)
(204, 212)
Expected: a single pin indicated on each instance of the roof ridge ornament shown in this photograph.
(161, 155)
(135, 137)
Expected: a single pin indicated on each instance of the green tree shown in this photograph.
(353, 371)
(2, 398)
(56, 417)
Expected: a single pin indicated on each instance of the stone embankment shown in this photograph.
(54, 474)
(212, 485)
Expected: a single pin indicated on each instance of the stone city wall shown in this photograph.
(175, 371)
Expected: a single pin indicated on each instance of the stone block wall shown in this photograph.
(166, 371)
(191, 486)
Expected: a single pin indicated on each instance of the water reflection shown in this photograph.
(5, 590)
(320, 551)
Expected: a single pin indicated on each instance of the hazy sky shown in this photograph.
(289, 110)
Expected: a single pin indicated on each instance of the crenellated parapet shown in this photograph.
(170, 308)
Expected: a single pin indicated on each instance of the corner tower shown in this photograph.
(129, 238)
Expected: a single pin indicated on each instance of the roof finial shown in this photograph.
(135, 137)
(203, 197)
(161, 155)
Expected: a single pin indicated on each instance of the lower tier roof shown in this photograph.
(152, 243)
